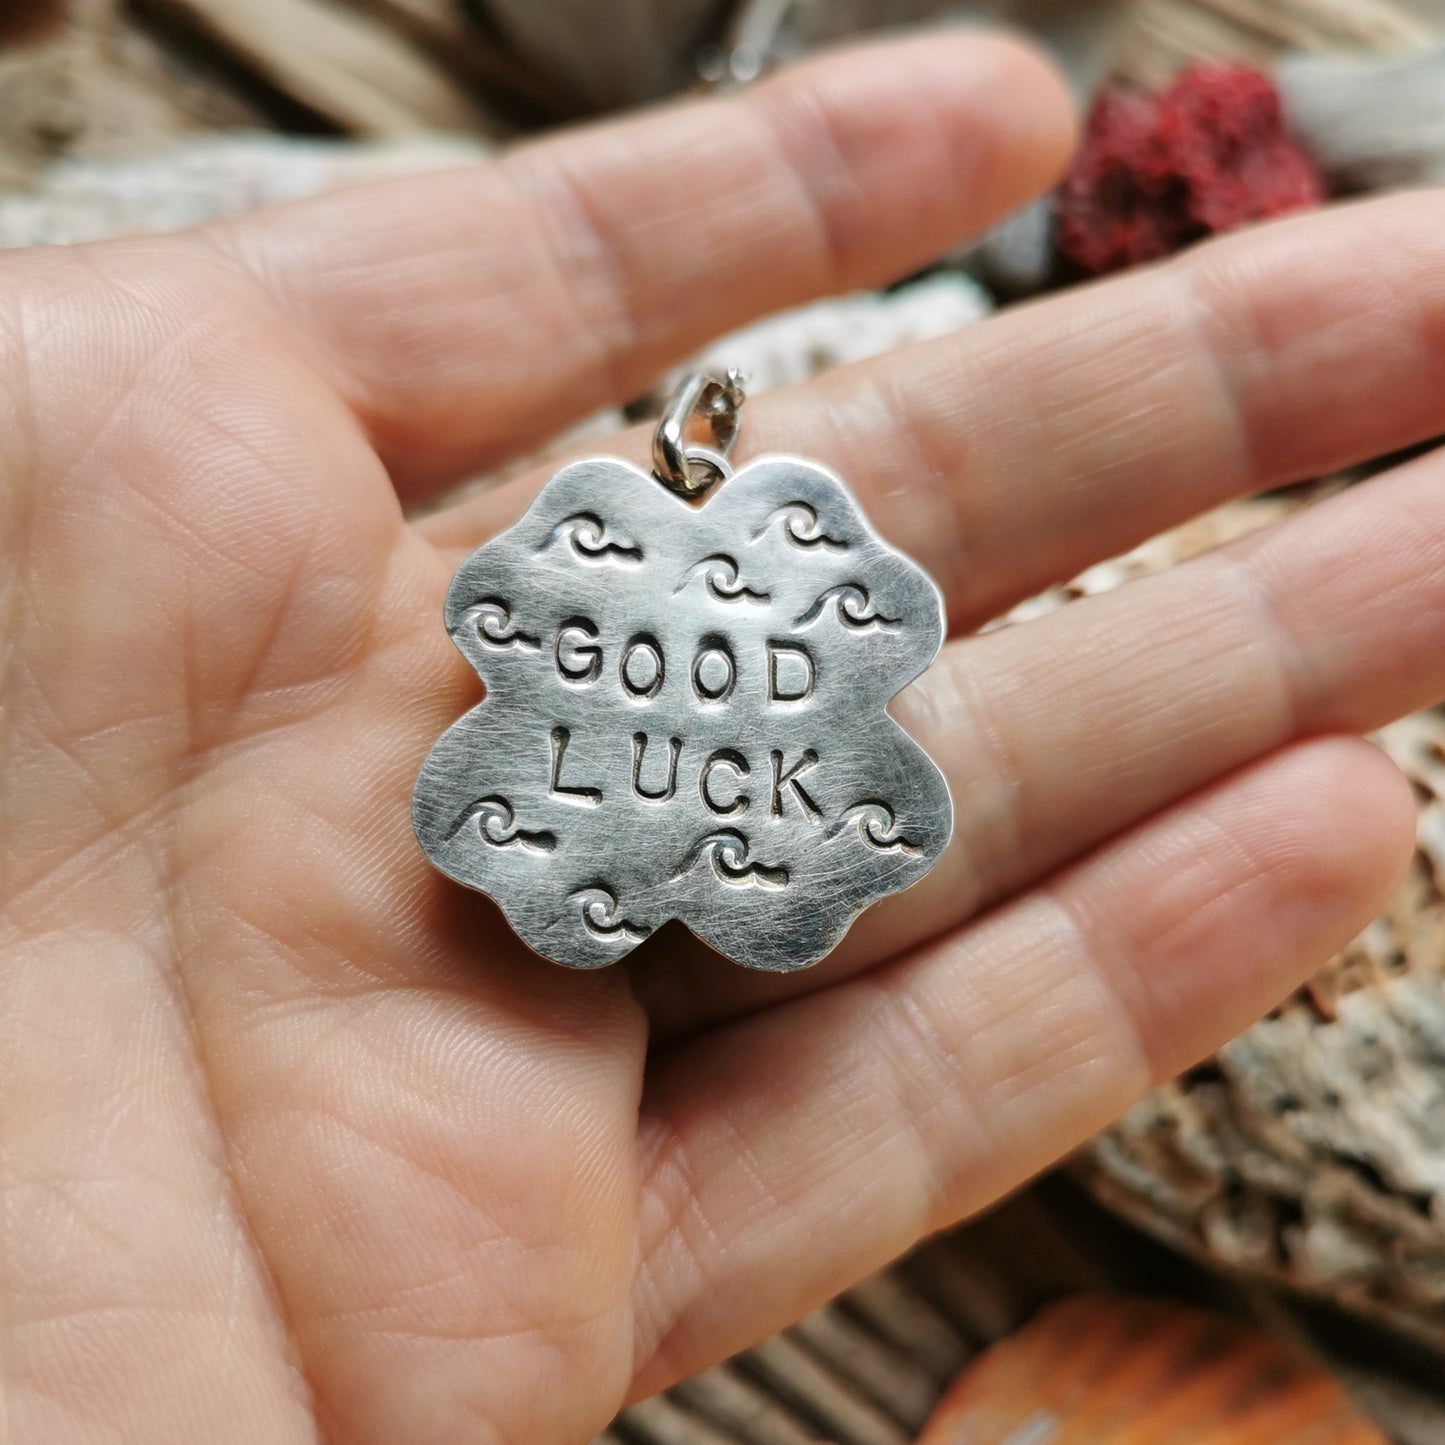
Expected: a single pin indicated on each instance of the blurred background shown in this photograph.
(1257, 1252)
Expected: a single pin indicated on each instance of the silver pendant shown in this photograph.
(687, 675)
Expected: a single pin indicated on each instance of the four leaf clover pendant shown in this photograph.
(687, 676)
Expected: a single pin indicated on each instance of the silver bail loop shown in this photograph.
(690, 469)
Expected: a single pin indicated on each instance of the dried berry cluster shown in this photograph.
(1155, 173)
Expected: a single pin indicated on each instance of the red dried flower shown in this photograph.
(1155, 173)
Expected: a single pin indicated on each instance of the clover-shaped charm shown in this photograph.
(685, 717)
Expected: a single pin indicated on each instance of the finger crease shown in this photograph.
(926, 1071)
(1188, 278)
(585, 266)
(1133, 1004)
(1286, 657)
(812, 192)
(281, 1312)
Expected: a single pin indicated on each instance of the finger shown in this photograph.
(1015, 453)
(792, 1154)
(1059, 733)
(471, 313)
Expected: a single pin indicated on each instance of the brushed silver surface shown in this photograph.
(685, 717)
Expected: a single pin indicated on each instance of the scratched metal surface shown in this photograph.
(685, 717)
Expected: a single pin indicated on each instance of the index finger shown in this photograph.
(467, 314)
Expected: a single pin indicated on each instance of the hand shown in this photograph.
(296, 1141)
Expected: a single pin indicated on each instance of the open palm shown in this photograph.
(296, 1141)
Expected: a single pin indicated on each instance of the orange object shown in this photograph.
(1101, 1371)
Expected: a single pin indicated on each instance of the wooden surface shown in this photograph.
(113, 77)
(105, 78)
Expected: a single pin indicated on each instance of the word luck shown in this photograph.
(719, 779)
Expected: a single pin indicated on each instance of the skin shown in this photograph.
(296, 1142)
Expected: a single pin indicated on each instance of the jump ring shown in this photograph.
(690, 469)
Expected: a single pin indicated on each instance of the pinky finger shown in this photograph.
(795, 1152)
